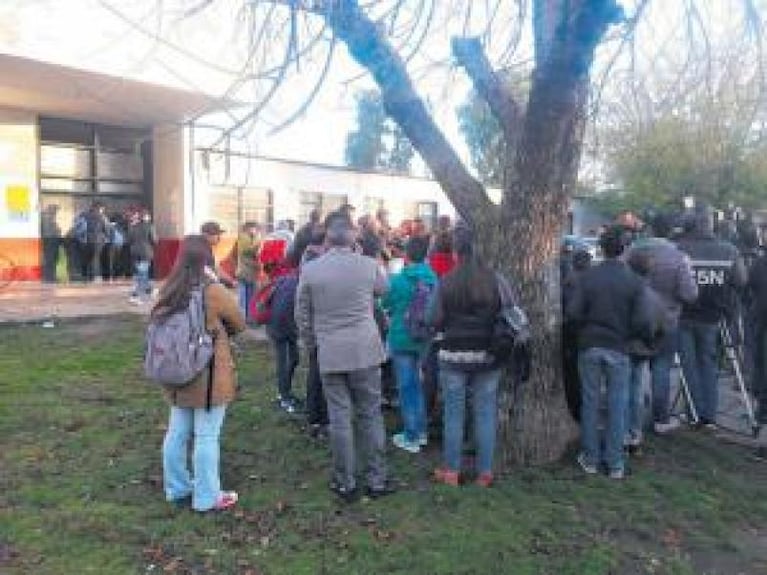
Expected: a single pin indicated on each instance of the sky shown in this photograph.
(96, 35)
(160, 41)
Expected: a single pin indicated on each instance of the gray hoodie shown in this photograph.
(670, 275)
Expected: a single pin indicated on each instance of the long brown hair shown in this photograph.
(188, 273)
(471, 285)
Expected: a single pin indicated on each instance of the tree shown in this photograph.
(377, 143)
(365, 146)
(540, 167)
(543, 138)
(703, 149)
(484, 137)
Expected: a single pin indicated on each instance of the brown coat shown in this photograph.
(221, 310)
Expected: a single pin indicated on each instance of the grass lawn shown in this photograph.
(80, 488)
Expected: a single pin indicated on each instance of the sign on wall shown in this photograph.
(18, 203)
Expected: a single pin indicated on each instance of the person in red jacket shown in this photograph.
(441, 256)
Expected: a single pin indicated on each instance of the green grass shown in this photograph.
(80, 488)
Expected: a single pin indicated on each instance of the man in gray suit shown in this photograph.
(334, 312)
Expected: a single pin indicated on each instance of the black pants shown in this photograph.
(90, 260)
(286, 353)
(50, 258)
(316, 406)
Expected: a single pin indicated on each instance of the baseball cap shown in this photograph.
(211, 229)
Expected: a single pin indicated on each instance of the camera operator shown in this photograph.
(671, 277)
(718, 270)
(757, 288)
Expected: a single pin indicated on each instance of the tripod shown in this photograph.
(684, 392)
(733, 356)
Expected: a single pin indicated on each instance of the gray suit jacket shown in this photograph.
(334, 310)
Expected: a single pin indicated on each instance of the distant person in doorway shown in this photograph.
(142, 239)
(52, 241)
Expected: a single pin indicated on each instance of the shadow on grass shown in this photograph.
(81, 488)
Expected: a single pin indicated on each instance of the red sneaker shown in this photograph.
(484, 479)
(226, 500)
(446, 476)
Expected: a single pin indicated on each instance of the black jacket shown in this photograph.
(142, 239)
(718, 270)
(757, 285)
(609, 308)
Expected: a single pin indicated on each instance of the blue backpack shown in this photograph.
(415, 314)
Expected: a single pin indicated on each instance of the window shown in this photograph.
(232, 207)
(427, 211)
(373, 205)
(81, 158)
(325, 203)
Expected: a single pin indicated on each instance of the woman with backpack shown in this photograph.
(407, 339)
(198, 409)
(464, 308)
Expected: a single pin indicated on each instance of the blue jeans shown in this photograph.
(484, 390)
(596, 365)
(635, 405)
(141, 284)
(698, 351)
(411, 400)
(245, 291)
(660, 377)
(204, 485)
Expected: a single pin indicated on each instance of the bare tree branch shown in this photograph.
(470, 55)
(371, 50)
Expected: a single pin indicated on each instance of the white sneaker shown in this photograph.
(633, 440)
(135, 300)
(399, 440)
(663, 428)
(585, 466)
(423, 440)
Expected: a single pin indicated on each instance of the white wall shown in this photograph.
(288, 179)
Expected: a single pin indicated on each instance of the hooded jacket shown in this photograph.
(670, 276)
(396, 302)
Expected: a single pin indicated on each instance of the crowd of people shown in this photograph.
(384, 316)
(350, 297)
(100, 246)
(672, 288)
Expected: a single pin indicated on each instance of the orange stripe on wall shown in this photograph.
(20, 259)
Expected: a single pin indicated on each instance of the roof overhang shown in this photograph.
(53, 90)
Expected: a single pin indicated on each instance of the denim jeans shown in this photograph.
(286, 353)
(245, 291)
(484, 390)
(596, 365)
(660, 377)
(635, 405)
(698, 351)
(204, 483)
(411, 399)
(141, 284)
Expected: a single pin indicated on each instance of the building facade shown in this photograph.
(69, 138)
